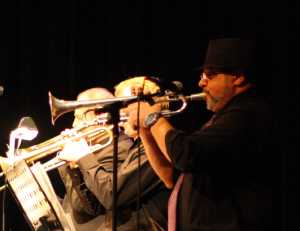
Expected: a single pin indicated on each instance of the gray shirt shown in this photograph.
(79, 202)
(153, 193)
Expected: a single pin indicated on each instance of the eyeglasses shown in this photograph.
(210, 75)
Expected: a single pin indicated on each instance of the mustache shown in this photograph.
(205, 91)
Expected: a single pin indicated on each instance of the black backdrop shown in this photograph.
(69, 46)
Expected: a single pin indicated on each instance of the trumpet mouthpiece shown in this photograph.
(199, 96)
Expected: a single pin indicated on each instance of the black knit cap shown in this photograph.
(229, 53)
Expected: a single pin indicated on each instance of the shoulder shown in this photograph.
(248, 103)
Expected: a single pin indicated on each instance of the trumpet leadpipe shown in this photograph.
(197, 96)
(102, 118)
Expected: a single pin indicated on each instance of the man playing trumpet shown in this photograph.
(79, 201)
(226, 174)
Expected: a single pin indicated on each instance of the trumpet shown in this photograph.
(56, 144)
(59, 107)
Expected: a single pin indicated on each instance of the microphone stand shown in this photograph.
(114, 118)
(113, 111)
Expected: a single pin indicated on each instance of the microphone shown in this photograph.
(164, 85)
(1, 90)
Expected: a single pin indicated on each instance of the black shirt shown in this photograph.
(232, 169)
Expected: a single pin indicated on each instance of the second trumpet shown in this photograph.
(56, 144)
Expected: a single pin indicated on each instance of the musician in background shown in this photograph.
(229, 171)
(89, 214)
(153, 193)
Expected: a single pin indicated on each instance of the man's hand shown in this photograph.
(68, 133)
(145, 109)
(73, 150)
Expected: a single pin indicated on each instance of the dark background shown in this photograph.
(69, 46)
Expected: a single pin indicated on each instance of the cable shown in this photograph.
(140, 93)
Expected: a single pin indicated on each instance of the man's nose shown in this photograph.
(202, 83)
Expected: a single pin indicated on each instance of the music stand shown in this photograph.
(36, 198)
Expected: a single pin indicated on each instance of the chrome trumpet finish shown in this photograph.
(60, 107)
(101, 119)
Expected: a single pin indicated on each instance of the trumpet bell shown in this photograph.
(59, 107)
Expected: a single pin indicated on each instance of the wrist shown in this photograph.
(151, 119)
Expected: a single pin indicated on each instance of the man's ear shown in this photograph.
(240, 77)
